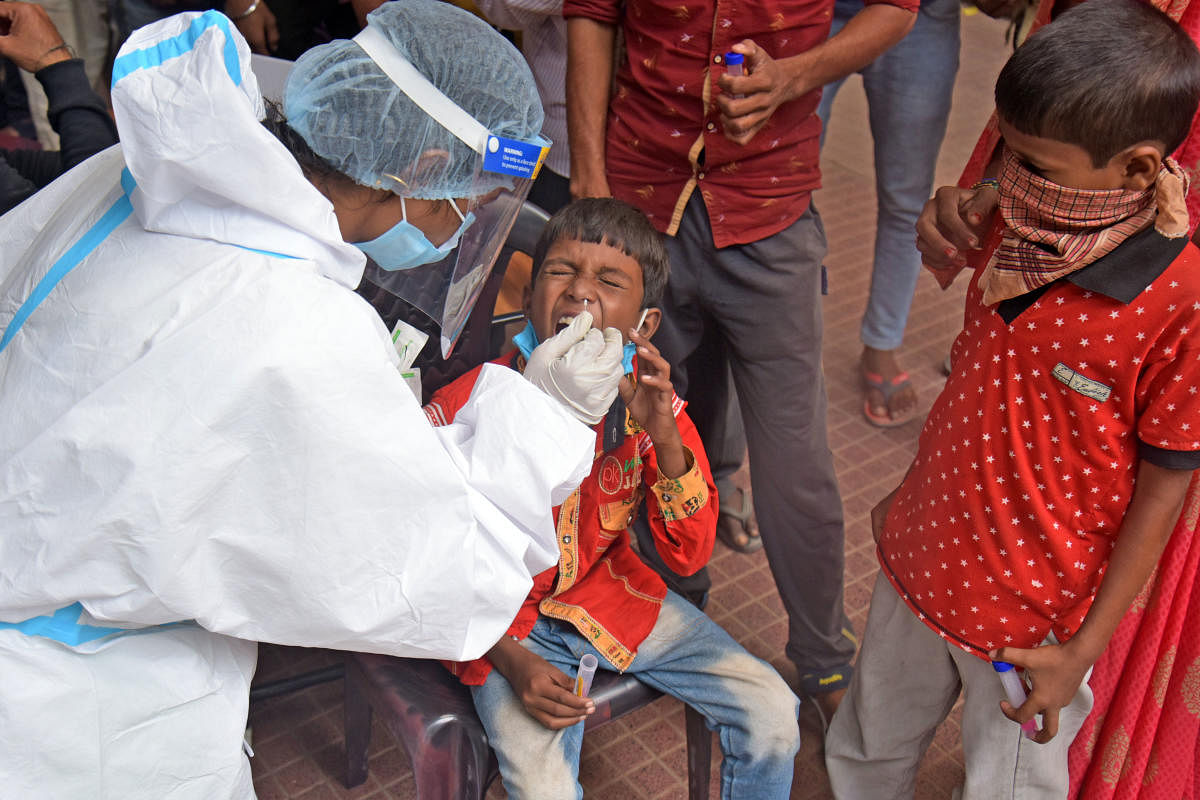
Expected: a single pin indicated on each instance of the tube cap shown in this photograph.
(1001, 666)
(734, 58)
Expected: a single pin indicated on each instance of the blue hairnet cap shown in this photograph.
(352, 114)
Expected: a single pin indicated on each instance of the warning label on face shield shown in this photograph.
(513, 157)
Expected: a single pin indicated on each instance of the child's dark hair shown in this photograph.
(603, 220)
(1104, 76)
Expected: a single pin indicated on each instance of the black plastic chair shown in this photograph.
(433, 717)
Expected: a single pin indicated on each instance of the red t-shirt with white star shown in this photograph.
(1002, 529)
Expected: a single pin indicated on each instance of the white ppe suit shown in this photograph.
(205, 443)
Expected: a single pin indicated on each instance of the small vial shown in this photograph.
(587, 671)
(1015, 691)
(733, 66)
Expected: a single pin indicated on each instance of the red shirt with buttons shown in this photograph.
(664, 129)
(600, 585)
(1001, 531)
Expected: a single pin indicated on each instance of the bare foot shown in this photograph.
(880, 367)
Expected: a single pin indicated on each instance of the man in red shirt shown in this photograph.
(725, 166)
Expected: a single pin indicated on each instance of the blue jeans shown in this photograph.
(908, 92)
(686, 655)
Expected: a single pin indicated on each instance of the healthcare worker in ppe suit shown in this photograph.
(206, 442)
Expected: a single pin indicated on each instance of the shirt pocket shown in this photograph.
(618, 515)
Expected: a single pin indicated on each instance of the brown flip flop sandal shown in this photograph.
(730, 516)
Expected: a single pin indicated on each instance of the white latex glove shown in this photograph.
(580, 367)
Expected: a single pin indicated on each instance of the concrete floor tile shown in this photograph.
(299, 776)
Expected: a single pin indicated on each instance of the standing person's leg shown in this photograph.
(904, 686)
(682, 334)
(700, 371)
(536, 763)
(908, 90)
(689, 656)
(843, 10)
(713, 407)
(766, 297)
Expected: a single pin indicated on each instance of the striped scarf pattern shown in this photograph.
(1051, 230)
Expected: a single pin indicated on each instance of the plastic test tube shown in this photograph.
(587, 671)
(733, 66)
(1015, 691)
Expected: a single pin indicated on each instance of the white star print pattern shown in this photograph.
(1003, 528)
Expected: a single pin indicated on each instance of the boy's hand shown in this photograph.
(649, 398)
(545, 691)
(1055, 672)
(953, 221)
(650, 402)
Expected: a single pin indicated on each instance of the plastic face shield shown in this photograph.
(446, 290)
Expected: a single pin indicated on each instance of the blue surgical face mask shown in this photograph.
(404, 246)
(527, 340)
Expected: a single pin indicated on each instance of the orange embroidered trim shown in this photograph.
(568, 542)
(608, 564)
(619, 655)
(680, 498)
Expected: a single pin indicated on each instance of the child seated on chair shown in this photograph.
(604, 256)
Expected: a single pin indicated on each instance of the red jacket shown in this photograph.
(600, 585)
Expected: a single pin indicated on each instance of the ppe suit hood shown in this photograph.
(222, 182)
(206, 442)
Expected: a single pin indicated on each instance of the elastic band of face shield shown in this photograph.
(506, 156)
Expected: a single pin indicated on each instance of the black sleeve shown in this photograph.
(76, 113)
(14, 187)
(1169, 459)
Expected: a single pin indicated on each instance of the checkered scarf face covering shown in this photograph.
(1051, 230)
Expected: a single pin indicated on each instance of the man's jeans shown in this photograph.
(908, 92)
(688, 656)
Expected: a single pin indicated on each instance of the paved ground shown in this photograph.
(298, 738)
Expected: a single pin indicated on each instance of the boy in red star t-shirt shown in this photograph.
(1053, 465)
(600, 262)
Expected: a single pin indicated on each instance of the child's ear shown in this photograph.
(527, 302)
(651, 323)
(1142, 165)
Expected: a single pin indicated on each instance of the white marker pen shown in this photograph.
(1015, 689)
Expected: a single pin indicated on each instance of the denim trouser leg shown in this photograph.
(536, 763)
(908, 93)
(687, 655)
